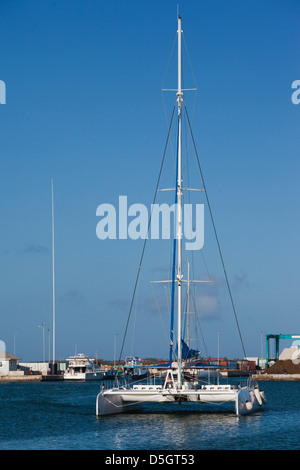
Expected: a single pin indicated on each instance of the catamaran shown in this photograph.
(178, 387)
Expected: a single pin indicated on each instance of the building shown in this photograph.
(8, 363)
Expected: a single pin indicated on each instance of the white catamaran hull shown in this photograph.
(245, 400)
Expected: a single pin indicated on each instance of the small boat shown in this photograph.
(134, 368)
(81, 367)
(178, 387)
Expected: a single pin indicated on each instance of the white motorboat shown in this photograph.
(177, 387)
(81, 367)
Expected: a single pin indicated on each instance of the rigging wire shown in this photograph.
(145, 241)
(215, 231)
(200, 327)
(133, 330)
(193, 288)
(159, 311)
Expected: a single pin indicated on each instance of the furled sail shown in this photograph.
(188, 353)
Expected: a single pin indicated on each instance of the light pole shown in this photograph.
(218, 347)
(43, 328)
(115, 350)
(219, 355)
(49, 333)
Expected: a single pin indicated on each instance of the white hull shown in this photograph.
(82, 368)
(244, 401)
(84, 376)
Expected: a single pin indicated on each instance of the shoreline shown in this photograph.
(276, 377)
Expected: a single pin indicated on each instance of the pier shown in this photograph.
(276, 377)
(30, 378)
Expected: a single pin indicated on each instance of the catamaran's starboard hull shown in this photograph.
(249, 400)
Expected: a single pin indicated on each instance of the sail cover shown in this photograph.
(188, 353)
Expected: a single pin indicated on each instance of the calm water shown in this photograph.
(62, 416)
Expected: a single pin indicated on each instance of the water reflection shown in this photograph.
(163, 427)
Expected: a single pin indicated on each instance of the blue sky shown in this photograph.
(84, 105)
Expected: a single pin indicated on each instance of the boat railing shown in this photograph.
(116, 382)
(127, 382)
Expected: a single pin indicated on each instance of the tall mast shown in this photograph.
(179, 210)
(53, 281)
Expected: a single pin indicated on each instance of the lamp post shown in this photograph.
(49, 333)
(218, 347)
(115, 350)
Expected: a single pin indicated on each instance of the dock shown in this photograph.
(20, 378)
(276, 377)
(30, 378)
